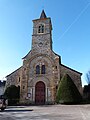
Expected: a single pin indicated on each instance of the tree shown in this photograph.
(67, 91)
(13, 94)
(86, 93)
(86, 90)
(88, 77)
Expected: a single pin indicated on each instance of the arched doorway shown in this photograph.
(40, 93)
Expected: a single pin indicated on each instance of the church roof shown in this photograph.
(43, 15)
(13, 72)
(71, 69)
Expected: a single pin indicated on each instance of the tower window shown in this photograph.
(41, 28)
(43, 69)
(56, 67)
(19, 79)
(37, 69)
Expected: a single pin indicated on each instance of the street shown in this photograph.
(46, 112)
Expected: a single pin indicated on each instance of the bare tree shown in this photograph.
(88, 77)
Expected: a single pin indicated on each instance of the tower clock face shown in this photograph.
(40, 44)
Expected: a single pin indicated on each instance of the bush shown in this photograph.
(86, 93)
(13, 94)
(67, 91)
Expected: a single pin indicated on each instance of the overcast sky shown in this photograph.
(71, 32)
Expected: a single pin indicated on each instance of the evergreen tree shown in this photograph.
(13, 94)
(67, 91)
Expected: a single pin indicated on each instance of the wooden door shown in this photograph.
(40, 93)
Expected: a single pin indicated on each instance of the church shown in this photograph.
(42, 70)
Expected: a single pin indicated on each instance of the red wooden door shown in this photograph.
(40, 93)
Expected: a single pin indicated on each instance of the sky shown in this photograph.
(70, 35)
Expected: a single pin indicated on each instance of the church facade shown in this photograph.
(42, 69)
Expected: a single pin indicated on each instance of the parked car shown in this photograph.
(2, 104)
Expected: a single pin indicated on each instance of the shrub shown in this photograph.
(67, 91)
(86, 93)
(13, 94)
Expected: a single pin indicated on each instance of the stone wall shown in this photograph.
(14, 78)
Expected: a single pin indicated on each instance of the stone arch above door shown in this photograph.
(44, 79)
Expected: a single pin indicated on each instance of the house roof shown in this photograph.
(2, 83)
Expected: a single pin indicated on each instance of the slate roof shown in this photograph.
(43, 15)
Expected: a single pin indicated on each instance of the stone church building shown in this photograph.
(42, 69)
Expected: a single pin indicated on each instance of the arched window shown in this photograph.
(41, 28)
(37, 69)
(43, 69)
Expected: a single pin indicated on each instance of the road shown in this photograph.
(48, 112)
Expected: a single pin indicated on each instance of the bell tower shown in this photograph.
(41, 71)
(42, 34)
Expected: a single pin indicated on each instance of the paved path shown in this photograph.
(51, 112)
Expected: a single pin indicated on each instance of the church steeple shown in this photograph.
(43, 15)
(42, 34)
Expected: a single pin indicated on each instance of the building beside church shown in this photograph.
(42, 69)
(2, 87)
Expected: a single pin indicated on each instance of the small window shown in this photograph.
(37, 69)
(23, 87)
(56, 67)
(19, 79)
(56, 87)
(43, 69)
(41, 28)
(24, 69)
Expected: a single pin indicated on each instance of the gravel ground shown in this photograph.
(47, 112)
